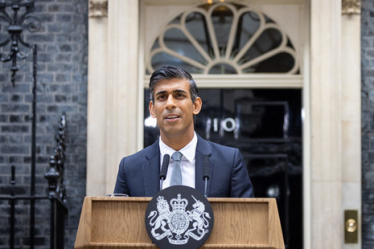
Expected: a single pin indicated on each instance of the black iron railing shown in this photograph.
(56, 195)
(57, 191)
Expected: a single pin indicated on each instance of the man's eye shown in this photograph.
(160, 97)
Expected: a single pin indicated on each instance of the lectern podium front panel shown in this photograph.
(118, 222)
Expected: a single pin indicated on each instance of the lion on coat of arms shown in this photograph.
(163, 209)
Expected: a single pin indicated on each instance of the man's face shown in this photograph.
(174, 108)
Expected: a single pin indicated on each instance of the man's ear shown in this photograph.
(152, 109)
(197, 106)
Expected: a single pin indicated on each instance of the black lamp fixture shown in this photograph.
(17, 19)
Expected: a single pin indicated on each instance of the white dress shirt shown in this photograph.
(187, 162)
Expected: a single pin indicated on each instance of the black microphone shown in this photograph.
(206, 165)
(164, 169)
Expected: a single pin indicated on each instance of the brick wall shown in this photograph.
(62, 87)
(367, 101)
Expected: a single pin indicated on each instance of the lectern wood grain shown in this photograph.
(239, 224)
(120, 215)
(118, 222)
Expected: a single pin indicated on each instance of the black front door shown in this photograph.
(266, 125)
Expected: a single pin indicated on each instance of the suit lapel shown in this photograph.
(202, 149)
(151, 171)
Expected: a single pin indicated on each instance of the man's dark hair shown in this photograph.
(168, 73)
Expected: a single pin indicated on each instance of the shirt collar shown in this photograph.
(188, 151)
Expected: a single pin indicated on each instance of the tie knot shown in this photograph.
(177, 156)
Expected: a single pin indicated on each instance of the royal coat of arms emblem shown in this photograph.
(173, 221)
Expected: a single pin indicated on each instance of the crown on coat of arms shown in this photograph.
(179, 204)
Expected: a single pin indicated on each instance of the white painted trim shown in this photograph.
(141, 56)
(121, 84)
(326, 140)
(307, 164)
(259, 2)
(96, 106)
(351, 119)
(244, 81)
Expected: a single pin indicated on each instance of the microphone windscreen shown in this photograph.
(206, 164)
(165, 165)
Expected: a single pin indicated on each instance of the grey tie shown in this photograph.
(176, 175)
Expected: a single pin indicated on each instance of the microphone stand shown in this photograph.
(206, 173)
(164, 169)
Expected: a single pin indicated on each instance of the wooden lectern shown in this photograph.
(118, 222)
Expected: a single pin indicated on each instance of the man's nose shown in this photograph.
(170, 102)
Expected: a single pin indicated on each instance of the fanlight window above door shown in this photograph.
(223, 38)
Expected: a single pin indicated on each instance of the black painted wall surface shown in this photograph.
(62, 87)
(367, 101)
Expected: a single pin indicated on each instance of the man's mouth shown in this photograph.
(172, 117)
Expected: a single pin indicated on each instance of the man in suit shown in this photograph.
(174, 102)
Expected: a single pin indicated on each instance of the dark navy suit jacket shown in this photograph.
(139, 174)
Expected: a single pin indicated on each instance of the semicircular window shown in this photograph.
(224, 38)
